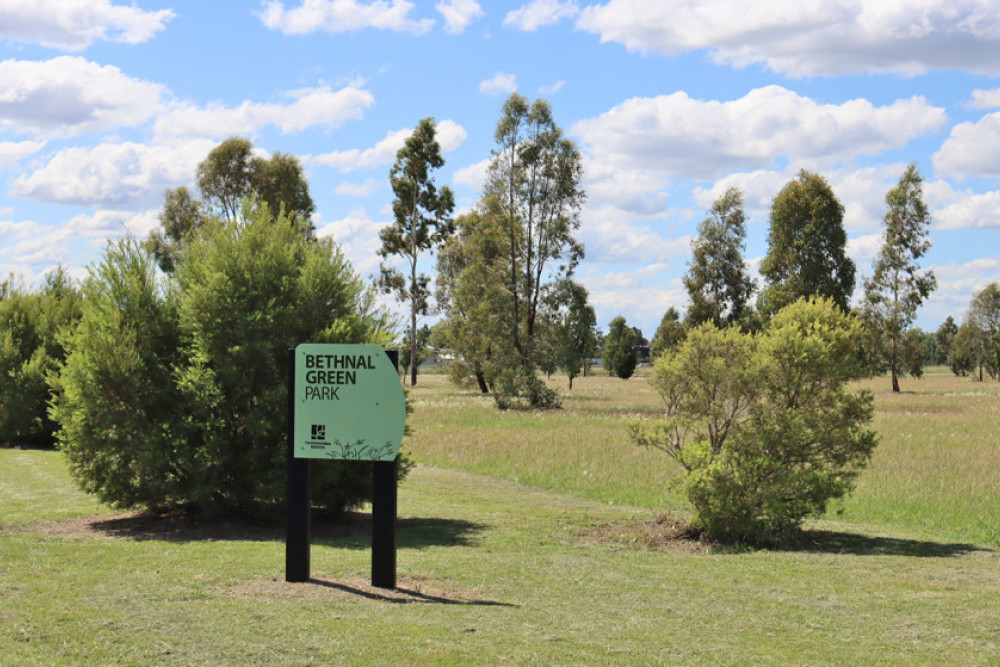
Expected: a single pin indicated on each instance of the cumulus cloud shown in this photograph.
(474, 175)
(638, 192)
(699, 139)
(73, 25)
(759, 188)
(863, 249)
(979, 211)
(500, 84)
(69, 95)
(336, 16)
(308, 107)
(357, 236)
(357, 189)
(449, 134)
(823, 37)
(971, 148)
(458, 14)
(540, 13)
(33, 248)
(985, 99)
(956, 285)
(642, 293)
(862, 192)
(12, 152)
(612, 235)
(125, 176)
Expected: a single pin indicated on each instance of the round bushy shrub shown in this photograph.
(174, 392)
(763, 425)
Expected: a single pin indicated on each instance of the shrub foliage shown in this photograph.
(762, 425)
(31, 323)
(173, 393)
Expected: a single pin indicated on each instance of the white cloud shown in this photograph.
(956, 285)
(759, 188)
(985, 99)
(971, 148)
(12, 152)
(73, 25)
(309, 107)
(124, 176)
(553, 89)
(336, 16)
(862, 192)
(635, 191)
(448, 133)
(500, 84)
(357, 189)
(458, 14)
(612, 235)
(640, 294)
(979, 211)
(37, 248)
(357, 236)
(863, 249)
(69, 95)
(474, 175)
(820, 37)
(699, 139)
(538, 13)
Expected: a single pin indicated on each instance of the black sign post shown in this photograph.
(384, 512)
(298, 518)
(384, 474)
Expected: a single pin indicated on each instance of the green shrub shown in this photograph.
(30, 326)
(175, 394)
(763, 426)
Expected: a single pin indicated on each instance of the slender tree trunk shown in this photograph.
(894, 362)
(481, 379)
(571, 382)
(413, 295)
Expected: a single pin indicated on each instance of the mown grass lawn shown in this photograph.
(554, 568)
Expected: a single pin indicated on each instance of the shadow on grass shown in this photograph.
(30, 446)
(826, 541)
(667, 529)
(402, 595)
(354, 532)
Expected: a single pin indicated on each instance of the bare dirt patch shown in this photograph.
(664, 531)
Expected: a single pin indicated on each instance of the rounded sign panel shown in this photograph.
(349, 403)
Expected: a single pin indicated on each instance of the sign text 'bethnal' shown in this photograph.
(326, 372)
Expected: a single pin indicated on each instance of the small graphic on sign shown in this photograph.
(318, 432)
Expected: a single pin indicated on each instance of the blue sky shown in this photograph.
(105, 104)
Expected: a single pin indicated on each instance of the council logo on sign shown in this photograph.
(318, 432)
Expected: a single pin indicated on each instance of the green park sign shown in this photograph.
(348, 403)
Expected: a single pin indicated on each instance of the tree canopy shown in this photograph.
(229, 173)
(619, 354)
(422, 222)
(717, 281)
(531, 202)
(897, 287)
(807, 246)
